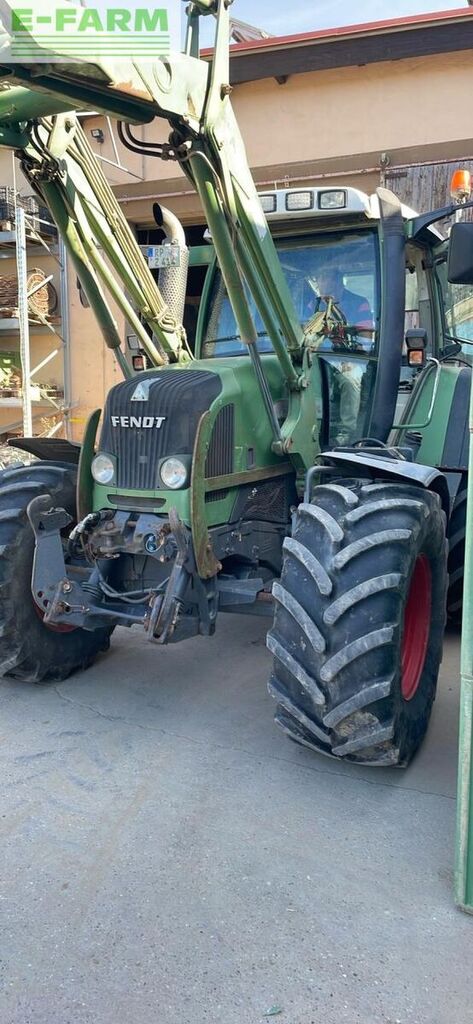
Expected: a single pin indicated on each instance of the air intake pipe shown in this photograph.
(172, 280)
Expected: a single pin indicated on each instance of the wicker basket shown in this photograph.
(43, 303)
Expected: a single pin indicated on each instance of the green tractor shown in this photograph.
(260, 475)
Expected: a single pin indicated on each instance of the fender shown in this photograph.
(445, 438)
(379, 467)
(49, 449)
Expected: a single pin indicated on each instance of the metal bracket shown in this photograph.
(238, 592)
(62, 600)
(165, 610)
(420, 426)
(48, 560)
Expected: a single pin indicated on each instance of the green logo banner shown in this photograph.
(44, 31)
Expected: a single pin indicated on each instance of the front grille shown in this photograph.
(217, 495)
(179, 398)
(219, 460)
(270, 500)
(129, 501)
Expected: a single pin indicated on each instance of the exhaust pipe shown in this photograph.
(172, 280)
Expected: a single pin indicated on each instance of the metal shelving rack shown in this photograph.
(24, 240)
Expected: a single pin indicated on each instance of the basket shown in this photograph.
(42, 304)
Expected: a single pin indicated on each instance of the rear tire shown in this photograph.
(29, 649)
(359, 621)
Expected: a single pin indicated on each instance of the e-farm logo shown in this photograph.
(51, 32)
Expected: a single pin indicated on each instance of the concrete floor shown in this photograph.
(169, 857)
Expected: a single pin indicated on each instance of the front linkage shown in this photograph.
(180, 605)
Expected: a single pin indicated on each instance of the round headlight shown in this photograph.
(102, 469)
(173, 473)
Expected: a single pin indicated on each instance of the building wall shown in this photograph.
(94, 369)
(331, 122)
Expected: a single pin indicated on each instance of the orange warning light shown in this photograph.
(460, 185)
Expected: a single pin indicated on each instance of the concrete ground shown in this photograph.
(169, 857)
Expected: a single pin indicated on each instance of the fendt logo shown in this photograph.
(140, 422)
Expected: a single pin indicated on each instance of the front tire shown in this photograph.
(359, 620)
(29, 649)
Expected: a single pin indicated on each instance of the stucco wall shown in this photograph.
(332, 121)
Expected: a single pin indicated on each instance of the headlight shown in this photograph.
(268, 203)
(299, 200)
(332, 199)
(102, 469)
(173, 473)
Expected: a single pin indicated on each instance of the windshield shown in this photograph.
(334, 283)
(337, 267)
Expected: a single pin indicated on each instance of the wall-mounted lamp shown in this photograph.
(97, 134)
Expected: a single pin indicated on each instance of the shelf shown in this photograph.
(46, 243)
(16, 403)
(11, 325)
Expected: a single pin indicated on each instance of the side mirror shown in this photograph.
(416, 344)
(460, 254)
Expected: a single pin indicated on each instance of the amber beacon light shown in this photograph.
(460, 185)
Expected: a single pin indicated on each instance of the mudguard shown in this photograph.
(381, 467)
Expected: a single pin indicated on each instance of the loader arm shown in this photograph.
(61, 167)
(193, 96)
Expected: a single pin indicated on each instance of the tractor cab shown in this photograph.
(334, 256)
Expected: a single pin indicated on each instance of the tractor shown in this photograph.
(274, 471)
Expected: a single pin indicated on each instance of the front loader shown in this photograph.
(256, 478)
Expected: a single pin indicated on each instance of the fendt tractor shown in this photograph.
(268, 472)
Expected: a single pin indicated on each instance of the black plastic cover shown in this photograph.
(380, 467)
(50, 449)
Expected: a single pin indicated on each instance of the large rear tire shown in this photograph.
(29, 649)
(359, 621)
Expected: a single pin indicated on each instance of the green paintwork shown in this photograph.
(84, 206)
(417, 409)
(252, 430)
(464, 834)
(204, 305)
(173, 499)
(201, 255)
(85, 483)
(207, 564)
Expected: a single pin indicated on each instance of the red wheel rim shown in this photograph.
(416, 627)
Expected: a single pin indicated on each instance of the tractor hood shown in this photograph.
(156, 415)
(153, 416)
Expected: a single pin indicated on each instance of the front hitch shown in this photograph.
(80, 597)
(61, 598)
